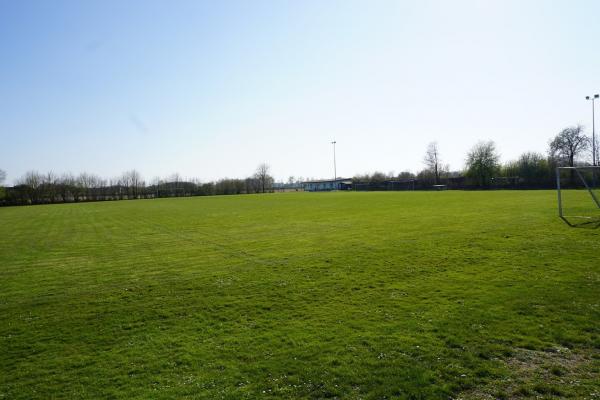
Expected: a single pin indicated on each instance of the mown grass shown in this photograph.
(310, 295)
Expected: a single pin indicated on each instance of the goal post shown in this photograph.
(583, 179)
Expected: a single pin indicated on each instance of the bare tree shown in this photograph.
(174, 181)
(132, 180)
(31, 181)
(87, 185)
(252, 185)
(136, 182)
(175, 177)
(262, 175)
(432, 161)
(483, 162)
(50, 185)
(125, 182)
(115, 188)
(66, 187)
(568, 144)
(155, 185)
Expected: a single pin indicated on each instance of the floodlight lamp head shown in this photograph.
(587, 97)
(596, 96)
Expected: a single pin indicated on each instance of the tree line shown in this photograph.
(483, 170)
(46, 188)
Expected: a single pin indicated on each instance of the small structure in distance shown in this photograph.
(323, 185)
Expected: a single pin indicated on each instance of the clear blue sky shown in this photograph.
(211, 89)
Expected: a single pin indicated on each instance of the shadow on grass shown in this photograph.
(582, 222)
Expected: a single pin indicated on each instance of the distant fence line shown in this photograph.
(454, 183)
(59, 193)
(48, 193)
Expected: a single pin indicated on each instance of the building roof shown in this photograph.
(329, 180)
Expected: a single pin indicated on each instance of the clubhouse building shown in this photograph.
(327, 185)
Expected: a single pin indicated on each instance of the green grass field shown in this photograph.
(414, 295)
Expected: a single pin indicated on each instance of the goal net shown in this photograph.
(578, 194)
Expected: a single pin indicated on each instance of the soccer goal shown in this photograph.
(578, 193)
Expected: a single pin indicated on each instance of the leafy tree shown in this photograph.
(406, 175)
(378, 176)
(483, 163)
(375, 177)
(532, 168)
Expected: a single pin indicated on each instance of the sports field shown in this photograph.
(414, 295)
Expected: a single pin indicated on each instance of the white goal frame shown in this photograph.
(585, 183)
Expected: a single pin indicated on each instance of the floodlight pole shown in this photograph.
(592, 98)
(334, 166)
